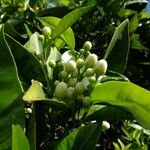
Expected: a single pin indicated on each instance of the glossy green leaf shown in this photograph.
(9, 81)
(68, 20)
(28, 65)
(10, 92)
(134, 23)
(110, 113)
(67, 36)
(127, 95)
(117, 51)
(19, 141)
(84, 138)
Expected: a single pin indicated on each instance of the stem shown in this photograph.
(43, 66)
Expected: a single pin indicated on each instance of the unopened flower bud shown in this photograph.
(41, 38)
(56, 82)
(92, 79)
(89, 72)
(86, 101)
(105, 125)
(71, 92)
(61, 90)
(70, 66)
(63, 74)
(91, 60)
(46, 31)
(80, 63)
(52, 63)
(72, 82)
(80, 88)
(87, 46)
(101, 67)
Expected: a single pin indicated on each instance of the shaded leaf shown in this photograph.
(84, 138)
(127, 95)
(10, 92)
(110, 113)
(26, 62)
(117, 51)
(19, 141)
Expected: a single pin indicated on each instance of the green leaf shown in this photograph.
(67, 36)
(10, 87)
(28, 65)
(19, 141)
(68, 20)
(84, 138)
(127, 95)
(117, 51)
(134, 23)
(110, 113)
(10, 92)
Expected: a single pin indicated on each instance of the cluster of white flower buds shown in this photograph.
(78, 75)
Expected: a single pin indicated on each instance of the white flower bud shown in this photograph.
(70, 66)
(92, 79)
(89, 72)
(105, 125)
(61, 90)
(91, 60)
(87, 46)
(101, 67)
(46, 31)
(52, 63)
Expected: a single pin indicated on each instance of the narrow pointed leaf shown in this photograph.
(68, 20)
(117, 51)
(84, 138)
(127, 95)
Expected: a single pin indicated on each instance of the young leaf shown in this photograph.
(67, 36)
(127, 95)
(68, 20)
(117, 51)
(19, 141)
(83, 138)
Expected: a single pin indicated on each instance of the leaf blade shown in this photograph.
(125, 94)
(118, 49)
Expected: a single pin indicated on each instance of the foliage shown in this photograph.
(62, 94)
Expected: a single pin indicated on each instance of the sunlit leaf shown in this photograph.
(127, 95)
(68, 20)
